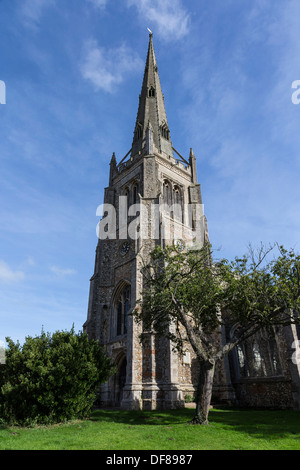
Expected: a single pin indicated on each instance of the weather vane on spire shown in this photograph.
(150, 31)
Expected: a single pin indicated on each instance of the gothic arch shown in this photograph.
(126, 193)
(258, 356)
(121, 305)
(151, 92)
(135, 192)
(167, 192)
(138, 131)
(177, 198)
(173, 197)
(119, 377)
(165, 131)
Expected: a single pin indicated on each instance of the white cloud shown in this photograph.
(278, 104)
(61, 272)
(32, 11)
(106, 68)
(8, 275)
(30, 261)
(248, 128)
(98, 3)
(168, 16)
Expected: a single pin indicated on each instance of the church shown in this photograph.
(153, 197)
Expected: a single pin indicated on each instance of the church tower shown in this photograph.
(153, 197)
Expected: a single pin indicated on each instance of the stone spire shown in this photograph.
(151, 111)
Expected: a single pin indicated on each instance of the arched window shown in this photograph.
(123, 208)
(151, 92)
(177, 203)
(165, 131)
(257, 356)
(138, 131)
(126, 192)
(167, 192)
(135, 194)
(123, 307)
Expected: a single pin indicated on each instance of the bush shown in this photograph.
(189, 399)
(51, 378)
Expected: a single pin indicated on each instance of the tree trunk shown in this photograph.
(204, 391)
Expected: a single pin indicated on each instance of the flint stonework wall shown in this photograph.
(265, 393)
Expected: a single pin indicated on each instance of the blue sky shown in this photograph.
(73, 73)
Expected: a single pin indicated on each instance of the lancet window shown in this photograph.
(122, 308)
(167, 192)
(165, 131)
(177, 203)
(138, 131)
(173, 197)
(151, 92)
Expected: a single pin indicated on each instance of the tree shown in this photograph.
(51, 378)
(188, 298)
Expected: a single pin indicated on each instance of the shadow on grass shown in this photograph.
(182, 416)
(266, 424)
(262, 423)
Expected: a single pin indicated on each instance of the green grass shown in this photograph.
(162, 430)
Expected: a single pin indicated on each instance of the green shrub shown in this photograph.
(189, 399)
(51, 378)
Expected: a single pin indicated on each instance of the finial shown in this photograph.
(113, 158)
(150, 31)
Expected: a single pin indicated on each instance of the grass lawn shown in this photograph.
(162, 430)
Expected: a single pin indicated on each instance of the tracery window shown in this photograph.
(172, 197)
(177, 203)
(258, 356)
(167, 192)
(123, 307)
